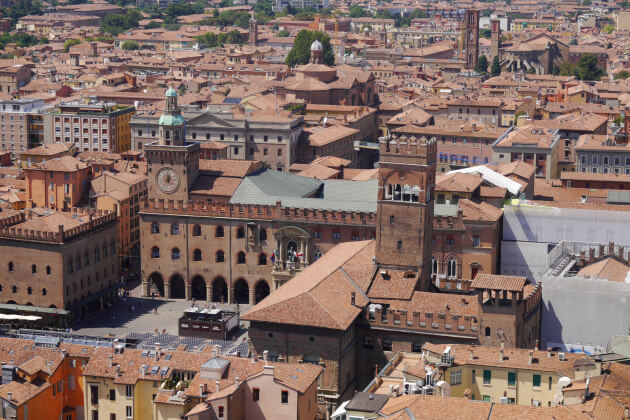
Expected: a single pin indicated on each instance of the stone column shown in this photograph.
(167, 290)
(188, 292)
(145, 288)
(252, 297)
(209, 296)
(230, 297)
(306, 252)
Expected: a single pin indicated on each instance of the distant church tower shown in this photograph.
(253, 31)
(495, 26)
(173, 164)
(317, 53)
(471, 38)
(404, 228)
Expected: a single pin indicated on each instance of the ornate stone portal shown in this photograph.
(292, 253)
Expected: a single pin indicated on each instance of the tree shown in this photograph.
(116, 24)
(587, 3)
(619, 120)
(485, 33)
(482, 65)
(357, 11)
(69, 43)
(301, 51)
(587, 69)
(563, 69)
(622, 75)
(234, 37)
(609, 29)
(283, 33)
(573, 42)
(130, 45)
(495, 70)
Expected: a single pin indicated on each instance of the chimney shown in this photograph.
(142, 371)
(117, 371)
(111, 360)
(471, 355)
(218, 385)
(537, 345)
(601, 250)
(620, 253)
(266, 356)
(218, 347)
(268, 370)
(10, 396)
(611, 248)
(531, 357)
(236, 381)
(548, 351)
(591, 254)
(353, 296)
(501, 355)
(214, 352)
(201, 390)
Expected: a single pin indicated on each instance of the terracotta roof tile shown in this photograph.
(499, 282)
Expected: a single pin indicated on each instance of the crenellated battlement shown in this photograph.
(532, 300)
(403, 145)
(441, 322)
(245, 211)
(9, 227)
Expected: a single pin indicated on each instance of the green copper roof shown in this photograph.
(166, 119)
(171, 92)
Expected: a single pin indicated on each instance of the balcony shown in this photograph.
(284, 271)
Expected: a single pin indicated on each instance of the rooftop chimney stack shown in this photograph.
(501, 355)
(471, 355)
(531, 357)
(10, 396)
(218, 385)
(353, 297)
(111, 360)
(266, 356)
(548, 351)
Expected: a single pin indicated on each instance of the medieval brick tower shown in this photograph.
(404, 228)
(173, 163)
(471, 38)
(495, 26)
(253, 31)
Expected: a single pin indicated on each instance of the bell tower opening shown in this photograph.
(471, 37)
(405, 204)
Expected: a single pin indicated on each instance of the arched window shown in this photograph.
(112, 247)
(452, 267)
(104, 250)
(397, 194)
(155, 252)
(155, 227)
(220, 257)
(34, 269)
(219, 233)
(48, 269)
(263, 234)
(387, 344)
(487, 332)
(14, 289)
(434, 266)
(175, 254)
(29, 290)
(240, 232)
(241, 258)
(174, 229)
(262, 259)
(10, 266)
(86, 259)
(415, 193)
(44, 292)
(197, 255)
(196, 230)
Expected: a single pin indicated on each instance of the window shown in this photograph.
(197, 255)
(196, 230)
(221, 412)
(486, 398)
(279, 138)
(240, 258)
(11, 267)
(456, 377)
(336, 236)
(487, 332)
(279, 152)
(368, 342)
(155, 252)
(240, 232)
(34, 269)
(392, 219)
(434, 265)
(112, 395)
(450, 240)
(220, 257)
(263, 234)
(487, 376)
(128, 412)
(284, 397)
(94, 414)
(387, 344)
(14, 289)
(94, 394)
(219, 233)
(605, 160)
(399, 245)
(262, 259)
(550, 381)
(473, 377)
(317, 234)
(29, 290)
(256, 394)
(476, 241)
(128, 391)
(536, 381)
(112, 416)
(174, 229)
(511, 378)
(452, 267)
(44, 292)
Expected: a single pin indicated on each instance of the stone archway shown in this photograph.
(177, 287)
(156, 284)
(219, 290)
(198, 288)
(261, 290)
(241, 292)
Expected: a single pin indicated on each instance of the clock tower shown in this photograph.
(173, 163)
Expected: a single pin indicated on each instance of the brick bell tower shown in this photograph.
(173, 163)
(404, 228)
(471, 38)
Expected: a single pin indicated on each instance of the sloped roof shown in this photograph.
(498, 282)
(609, 268)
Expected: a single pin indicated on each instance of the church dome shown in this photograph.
(171, 92)
(168, 119)
(317, 46)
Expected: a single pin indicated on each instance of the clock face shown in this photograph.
(168, 180)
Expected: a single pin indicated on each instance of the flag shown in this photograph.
(299, 254)
(273, 257)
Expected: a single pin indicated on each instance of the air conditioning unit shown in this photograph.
(562, 357)
(504, 400)
(536, 403)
